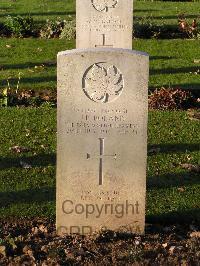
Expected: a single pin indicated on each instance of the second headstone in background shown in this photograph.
(104, 24)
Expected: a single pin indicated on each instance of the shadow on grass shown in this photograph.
(35, 195)
(173, 17)
(5, 8)
(29, 65)
(161, 57)
(39, 79)
(38, 14)
(40, 160)
(144, 10)
(31, 83)
(31, 80)
(169, 148)
(176, 217)
(194, 88)
(169, 180)
(72, 13)
(187, 70)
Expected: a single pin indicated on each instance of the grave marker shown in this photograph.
(104, 23)
(102, 140)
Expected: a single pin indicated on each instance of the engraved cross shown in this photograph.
(104, 43)
(101, 157)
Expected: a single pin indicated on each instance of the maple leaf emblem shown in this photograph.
(103, 83)
(104, 5)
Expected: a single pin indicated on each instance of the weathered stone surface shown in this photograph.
(102, 140)
(104, 23)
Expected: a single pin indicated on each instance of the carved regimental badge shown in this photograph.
(104, 5)
(102, 82)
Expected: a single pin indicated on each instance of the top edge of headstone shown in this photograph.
(103, 50)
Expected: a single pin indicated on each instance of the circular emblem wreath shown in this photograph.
(102, 82)
(104, 5)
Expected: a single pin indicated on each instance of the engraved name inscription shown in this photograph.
(108, 120)
(106, 24)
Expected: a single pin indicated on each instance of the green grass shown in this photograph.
(179, 142)
(166, 12)
(40, 10)
(171, 62)
(27, 56)
(47, 9)
(27, 191)
(31, 192)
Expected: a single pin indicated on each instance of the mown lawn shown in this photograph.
(35, 59)
(173, 193)
(171, 62)
(41, 10)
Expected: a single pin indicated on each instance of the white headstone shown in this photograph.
(102, 140)
(104, 23)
